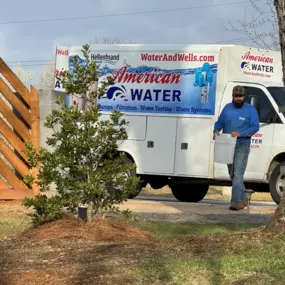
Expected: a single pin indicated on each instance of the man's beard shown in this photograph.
(238, 104)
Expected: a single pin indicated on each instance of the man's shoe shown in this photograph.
(242, 205)
(239, 206)
(234, 207)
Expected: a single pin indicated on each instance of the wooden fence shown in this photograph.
(19, 122)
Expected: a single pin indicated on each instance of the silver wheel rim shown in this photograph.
(125, 175)
(280, 184)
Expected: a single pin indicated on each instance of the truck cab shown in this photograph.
(267, 146)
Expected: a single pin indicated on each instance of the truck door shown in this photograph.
(261, 143)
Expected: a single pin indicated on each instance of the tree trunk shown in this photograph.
(280, 10)
(277, 221)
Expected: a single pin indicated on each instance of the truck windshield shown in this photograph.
(278, 94)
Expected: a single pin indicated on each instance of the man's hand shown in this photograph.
(215, 133)
(235, 134)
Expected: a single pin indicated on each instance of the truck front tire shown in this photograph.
(136, 191)
(189, 192)
(277, 183)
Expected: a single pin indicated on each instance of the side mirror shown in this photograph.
(255, 102)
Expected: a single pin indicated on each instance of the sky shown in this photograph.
(33, 44)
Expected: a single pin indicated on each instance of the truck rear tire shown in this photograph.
(277, 183)
(196, 193)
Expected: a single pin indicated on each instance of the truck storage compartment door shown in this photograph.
(159, 148)
(136, 127)
(193, 147)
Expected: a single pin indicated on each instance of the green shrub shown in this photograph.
(44, 209)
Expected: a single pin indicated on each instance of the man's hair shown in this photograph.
(238, 90)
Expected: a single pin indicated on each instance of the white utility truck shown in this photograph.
(172, 95)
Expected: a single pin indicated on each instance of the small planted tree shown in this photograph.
(85, 166)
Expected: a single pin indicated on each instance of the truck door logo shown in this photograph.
(257, 65)
(245, 65)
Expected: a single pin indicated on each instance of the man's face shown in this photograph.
(238, 100)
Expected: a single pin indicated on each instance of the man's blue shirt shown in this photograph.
(243, 120)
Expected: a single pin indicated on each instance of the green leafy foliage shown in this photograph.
(45, 209)
(85, 165)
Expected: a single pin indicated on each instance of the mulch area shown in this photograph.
(99, 229)
(71, 251)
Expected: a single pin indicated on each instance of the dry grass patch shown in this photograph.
(13, 219)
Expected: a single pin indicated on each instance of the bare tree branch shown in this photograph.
(46, 80)
(261, 29)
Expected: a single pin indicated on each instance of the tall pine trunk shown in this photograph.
(277, 221)
(280, 10)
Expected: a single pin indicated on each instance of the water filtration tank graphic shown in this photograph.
(204, 79)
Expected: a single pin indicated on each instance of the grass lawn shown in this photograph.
(176, 254)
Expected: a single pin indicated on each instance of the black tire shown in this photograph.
(196, 193)
(137, 192)
(139, 187)
(275, 183)
(157, 184)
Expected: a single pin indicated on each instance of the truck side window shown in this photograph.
(266, 108)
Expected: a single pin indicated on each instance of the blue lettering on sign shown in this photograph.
(156, 95)
(57, 84)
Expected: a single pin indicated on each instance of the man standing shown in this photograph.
(241, 121)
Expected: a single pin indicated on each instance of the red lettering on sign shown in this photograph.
(123, 76)
(58, 73)
(258, 135)
(62, 52)
(259, 58)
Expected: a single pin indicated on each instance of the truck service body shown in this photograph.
(172, 95)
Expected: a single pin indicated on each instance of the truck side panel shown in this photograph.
(154, 155)
(193, 147)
